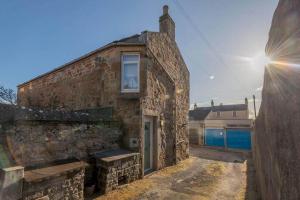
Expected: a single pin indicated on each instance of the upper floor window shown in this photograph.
(130, 73)
(234, 113)
(218, 114)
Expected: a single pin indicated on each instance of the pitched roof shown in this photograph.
(199, 113)
(132, 40)
(234, 107)
(202, 112)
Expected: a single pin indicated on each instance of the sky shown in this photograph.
(222, 41)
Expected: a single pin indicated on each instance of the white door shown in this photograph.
(148, 143)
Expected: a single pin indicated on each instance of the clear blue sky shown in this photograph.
(39, 35)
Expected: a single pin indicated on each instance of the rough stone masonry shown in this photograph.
(276, 142)
(50, 145)
(94, 81)
(45, 129)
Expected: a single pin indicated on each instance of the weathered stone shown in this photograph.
(39, 143)
(116, 166)
(66, 186)
(11, 183)
(93, 81)
(276, 139)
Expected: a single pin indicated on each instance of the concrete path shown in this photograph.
(207, 174)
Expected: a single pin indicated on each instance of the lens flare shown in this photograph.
(260, 60)
(286, 64)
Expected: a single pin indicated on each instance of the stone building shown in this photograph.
(142, 78)
(226, 126)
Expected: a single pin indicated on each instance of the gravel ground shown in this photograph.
(207, 174)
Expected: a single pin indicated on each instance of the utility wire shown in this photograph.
(206, 41)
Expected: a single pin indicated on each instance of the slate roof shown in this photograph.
(201, 113)
(234, 107)
(134, 39)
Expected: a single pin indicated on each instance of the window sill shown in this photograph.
(130, 95)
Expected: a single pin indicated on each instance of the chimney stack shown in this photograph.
(195, 106)
(166, 23)
(246, 101)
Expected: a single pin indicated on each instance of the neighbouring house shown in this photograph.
(227, 126)
(140, 82)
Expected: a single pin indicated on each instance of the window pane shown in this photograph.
(130, 76)
(130, 58)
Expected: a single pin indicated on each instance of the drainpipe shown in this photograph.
(225, 138)
(254, 104)
(175, 121)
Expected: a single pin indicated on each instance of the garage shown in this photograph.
(215, 137)
(238, 139)
(228, 138)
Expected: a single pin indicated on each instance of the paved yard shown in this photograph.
(207, 174)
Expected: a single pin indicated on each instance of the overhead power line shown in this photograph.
(206, 41)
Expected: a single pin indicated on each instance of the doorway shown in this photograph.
(148, 144)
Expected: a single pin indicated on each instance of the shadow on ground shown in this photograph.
(251, 188)
(209, 174)
(219, 154)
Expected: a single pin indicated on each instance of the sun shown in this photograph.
(261, 60)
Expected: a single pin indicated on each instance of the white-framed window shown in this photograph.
(130, 72)
(218, 114)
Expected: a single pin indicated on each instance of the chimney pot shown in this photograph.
(246, 101)
(212, 103)
(166, 23)
(165, 9)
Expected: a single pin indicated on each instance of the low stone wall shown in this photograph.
(34, 137)
(117, 169)
(37, 143)
(7, 113)
(11, 183)
(62, 182)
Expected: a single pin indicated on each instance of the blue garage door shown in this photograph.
(239, 139)
(215, 137)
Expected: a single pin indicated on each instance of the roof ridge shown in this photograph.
(126, 38)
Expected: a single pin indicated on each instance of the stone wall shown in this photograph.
(36, 143)
(69, 185)
(117, 170)
(94, 81)
(91, 82)
(168, 55)
(276, 140)
(159, 101)
(35, 137)
(7, 113)
(46, 140)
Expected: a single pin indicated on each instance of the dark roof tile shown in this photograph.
(202, 112)
(199, 113)
(234, 107)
